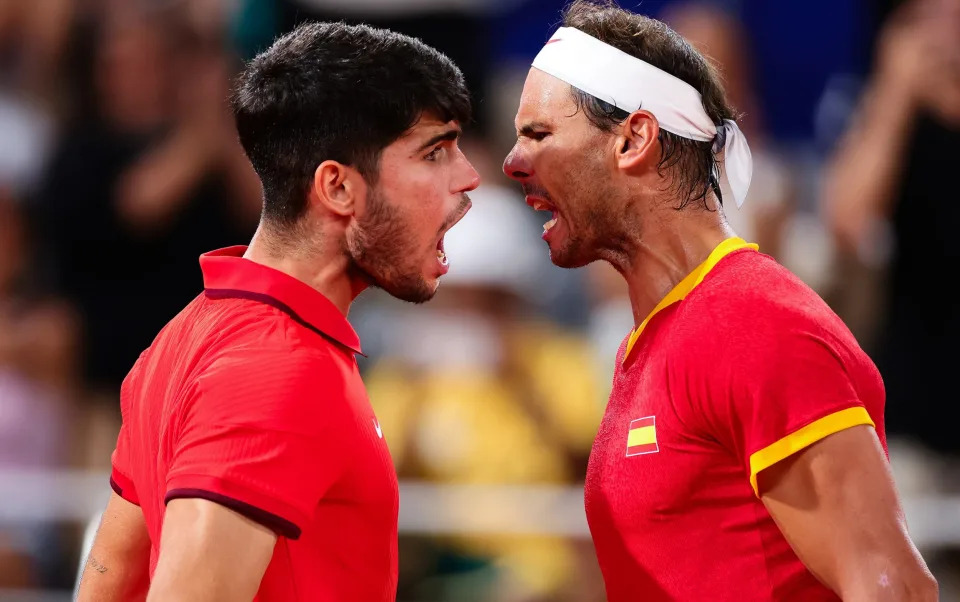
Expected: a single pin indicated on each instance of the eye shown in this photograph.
(535, 135)
(435, 153)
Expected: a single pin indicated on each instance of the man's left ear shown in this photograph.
(338, 187)
(637, 142)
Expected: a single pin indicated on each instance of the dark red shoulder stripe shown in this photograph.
(278, 524)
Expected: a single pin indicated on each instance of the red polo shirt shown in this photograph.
(251, 398)
(739, 367)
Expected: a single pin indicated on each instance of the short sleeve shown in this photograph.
(259, 437)
(778, 390)
(122, 467)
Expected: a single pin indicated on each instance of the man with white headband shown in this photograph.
(742, 453)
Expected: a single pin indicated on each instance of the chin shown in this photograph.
(568, 264)
(413, 290)
(569, 258)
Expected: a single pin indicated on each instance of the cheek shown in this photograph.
(562, 172)
(429, 195)
(585, 186)
(419, 192)
(564, 158)
(421, 214)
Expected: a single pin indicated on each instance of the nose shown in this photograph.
(470, 179)
(515, 165)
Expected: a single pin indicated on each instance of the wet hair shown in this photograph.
(653, 42)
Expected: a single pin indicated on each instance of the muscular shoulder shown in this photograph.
(750, 300)
(754, 338)
(752, 280)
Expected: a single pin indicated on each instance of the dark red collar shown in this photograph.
(227, 274)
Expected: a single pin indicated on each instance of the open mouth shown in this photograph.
(541, 204)
(441, 255)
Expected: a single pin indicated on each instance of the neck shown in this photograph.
(670, 246)
(321, 264)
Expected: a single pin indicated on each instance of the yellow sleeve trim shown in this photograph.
(804, 437)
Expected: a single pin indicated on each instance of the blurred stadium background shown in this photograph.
(118, 167)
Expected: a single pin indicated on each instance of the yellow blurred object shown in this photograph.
(531, 419)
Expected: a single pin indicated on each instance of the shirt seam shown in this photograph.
(189, 481)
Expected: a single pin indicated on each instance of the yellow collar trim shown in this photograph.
(689, 283)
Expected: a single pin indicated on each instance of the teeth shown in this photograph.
(539, 206)
(442, 257)
(550, 224)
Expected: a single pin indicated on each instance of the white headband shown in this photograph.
(629, 83)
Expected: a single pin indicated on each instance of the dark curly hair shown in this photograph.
(328, 90)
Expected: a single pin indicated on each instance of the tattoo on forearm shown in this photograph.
(97, 565)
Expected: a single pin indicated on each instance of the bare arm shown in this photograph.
(863, 176)
(837, 505)
(117, 569)
(160, 185)
(156, 189)
(210, 553)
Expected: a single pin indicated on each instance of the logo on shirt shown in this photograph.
(642, 436)
(376, 425)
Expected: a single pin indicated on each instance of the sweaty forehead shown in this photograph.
(544, 99)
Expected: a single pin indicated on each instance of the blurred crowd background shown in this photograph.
(119, 166)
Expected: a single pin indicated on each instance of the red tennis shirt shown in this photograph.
(251, 398)
(740, 366)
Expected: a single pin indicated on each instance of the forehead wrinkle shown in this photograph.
(545, 100)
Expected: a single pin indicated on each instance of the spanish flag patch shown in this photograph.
(642, 436)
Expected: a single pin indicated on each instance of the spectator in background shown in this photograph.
(37, 376)
(480, 389)
(889, 194)
(31, 46)
(33, 38)
(137, 191)
(37, 330)
(890, 183)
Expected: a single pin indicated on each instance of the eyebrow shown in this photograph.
(532, 128)
(451, 134)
